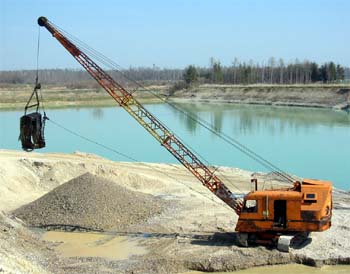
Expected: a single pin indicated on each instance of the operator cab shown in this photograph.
(305, 207)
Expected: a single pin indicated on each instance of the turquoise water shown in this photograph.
(311, 143)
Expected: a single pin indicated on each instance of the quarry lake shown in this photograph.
(310, 143)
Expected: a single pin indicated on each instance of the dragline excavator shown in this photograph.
(274, 216)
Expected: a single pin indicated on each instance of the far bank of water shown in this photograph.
(310, 143)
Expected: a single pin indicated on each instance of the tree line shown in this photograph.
(72, 78)
(241, 73)
(273, 72)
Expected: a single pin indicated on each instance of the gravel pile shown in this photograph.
(91, 202)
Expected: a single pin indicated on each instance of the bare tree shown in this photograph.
(271, 64)
(281, 67)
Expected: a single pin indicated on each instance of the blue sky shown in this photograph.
(177, 33)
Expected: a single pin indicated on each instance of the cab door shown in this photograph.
(280, 214)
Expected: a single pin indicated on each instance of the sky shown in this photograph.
(176, 33)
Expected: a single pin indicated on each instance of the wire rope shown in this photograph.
(228, 139)
(128, 157)
(111, 64)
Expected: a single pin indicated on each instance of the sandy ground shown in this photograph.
(194, 234)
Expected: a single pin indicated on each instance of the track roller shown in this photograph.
(283, 243)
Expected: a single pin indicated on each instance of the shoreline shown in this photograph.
(261, 103)
(314, 96)
(310, 96)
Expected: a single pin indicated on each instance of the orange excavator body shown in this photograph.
(305, 207)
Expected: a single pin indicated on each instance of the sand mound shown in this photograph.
(92, 202)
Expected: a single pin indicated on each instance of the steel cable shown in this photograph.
(129, 157)
(109, 63)
(208, 126)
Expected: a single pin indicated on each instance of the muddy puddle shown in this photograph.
(83, 244)
(288, 269)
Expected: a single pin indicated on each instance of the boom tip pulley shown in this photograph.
(42, 21)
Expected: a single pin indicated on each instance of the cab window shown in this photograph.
(250, 206)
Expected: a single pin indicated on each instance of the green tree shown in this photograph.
(323, 73)
(217, 75)
(190, 75)
(315, 75)
(340, 72)
(332, 71)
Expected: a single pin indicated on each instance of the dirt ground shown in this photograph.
(195, 233)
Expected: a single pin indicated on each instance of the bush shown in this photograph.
(178, 86)
(190, 75)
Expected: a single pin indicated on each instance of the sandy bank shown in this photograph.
(195, 233)
(323, 96)
(16, 96)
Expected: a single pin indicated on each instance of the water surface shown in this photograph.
(311, 143)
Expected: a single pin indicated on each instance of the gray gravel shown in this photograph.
(91, 202)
